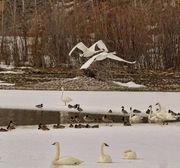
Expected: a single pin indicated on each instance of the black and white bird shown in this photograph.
(39, 105)
(123, 110)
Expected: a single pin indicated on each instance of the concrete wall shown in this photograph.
(28, 117)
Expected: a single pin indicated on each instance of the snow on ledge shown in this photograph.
(11, 72)
(130, 84)
(2, 83)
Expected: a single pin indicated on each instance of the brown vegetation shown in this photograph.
(146, 31)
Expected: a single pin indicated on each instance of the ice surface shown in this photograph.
(157, 146)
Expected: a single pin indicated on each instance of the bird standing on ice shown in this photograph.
(102, 56)
(65, 99)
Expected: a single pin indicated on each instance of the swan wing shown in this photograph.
(112, 56)
(80, 46)
(88, 62)
(100, 44)
(69, 160)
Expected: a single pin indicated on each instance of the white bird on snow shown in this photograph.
(102, 56)
(65, 99)
(88, 52)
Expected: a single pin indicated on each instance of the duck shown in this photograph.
(43, 127)
(129, 154)
(88, 52)
(103, 56)
(123, 110)
(58, 126)
(65, 99)
(66, 160)
(104, 158)
(39, 105)
(107, 119)
(88, 119)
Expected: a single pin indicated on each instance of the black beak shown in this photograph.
(106, 144)
(54, 143)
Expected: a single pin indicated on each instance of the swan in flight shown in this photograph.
(66, 160)
(129, 154)
(65, 99)
(102, 56)
(104, 158)
(88, 52)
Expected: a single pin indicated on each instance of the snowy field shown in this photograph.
(157, 146)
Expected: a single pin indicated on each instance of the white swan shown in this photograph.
(129, 154)
(65, 99)
(102, 56)
(88, 52)
(104, 158)
(152, 118)
(163, 115)
(134, 118)
(66, 160)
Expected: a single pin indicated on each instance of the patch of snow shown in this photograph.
(8, 67)
(130, 84)
(2, 83)
(11, 72)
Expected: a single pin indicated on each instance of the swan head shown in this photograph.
(157, 104)
(55, 143)
(105, 144)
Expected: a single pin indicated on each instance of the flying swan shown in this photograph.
(88, 52)
(65, 99)
(102, 56)
(104, 158)
(66, 160)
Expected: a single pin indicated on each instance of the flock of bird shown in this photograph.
(96, 55)
(103, 158)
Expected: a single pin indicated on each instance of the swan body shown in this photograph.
(88, 52)
(129, 154)
(65, 99)
(102, 56)
(66, 160)
(163, 115)
(152, 118)
(104, 158)
(134, 118)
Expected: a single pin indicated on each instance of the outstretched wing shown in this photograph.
(100, 45)
(112, 56)
(88, 62)
(80, 46)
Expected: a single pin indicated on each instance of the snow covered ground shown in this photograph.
(157, 146)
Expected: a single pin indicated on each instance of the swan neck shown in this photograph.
(102, 150)
(57, 156)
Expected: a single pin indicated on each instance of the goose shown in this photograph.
(104, 158)
(65, 99)
(11, 125)
(88, 52)
(88, 119)
(123, 110)
(102, 56)
(67, 160)
(129, 154)
(134, 118)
